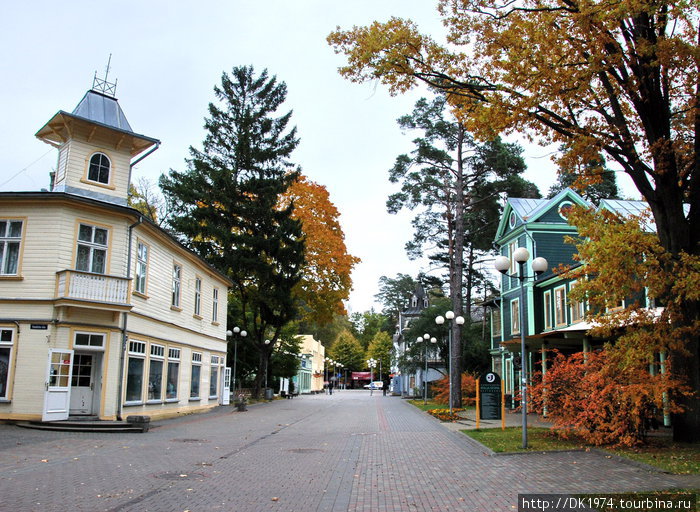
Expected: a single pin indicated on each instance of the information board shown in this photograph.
(490, 397)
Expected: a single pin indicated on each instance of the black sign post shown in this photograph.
(490, 397)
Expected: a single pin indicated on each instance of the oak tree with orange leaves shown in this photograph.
(620, 78)
(326, 276)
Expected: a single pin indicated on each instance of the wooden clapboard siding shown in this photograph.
(163, 254)
(77, 164)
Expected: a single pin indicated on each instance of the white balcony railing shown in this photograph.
(74, 284)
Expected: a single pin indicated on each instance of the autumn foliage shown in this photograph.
(589, 396)
(326, 280)
(441, 389)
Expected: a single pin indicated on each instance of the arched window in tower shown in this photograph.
(99, 168)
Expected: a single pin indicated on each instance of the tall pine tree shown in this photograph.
(226, 205)
(454, 183)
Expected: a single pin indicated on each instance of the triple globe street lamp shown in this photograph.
(425, 338)
(372, 364)
(539, 265)
(236, 330)
(459, 320)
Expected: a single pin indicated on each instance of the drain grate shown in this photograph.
(306, 450)
(179, 475)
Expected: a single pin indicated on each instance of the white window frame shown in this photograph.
(93, 247)
(6, 366)
(515, 316)
(215, 305)
(141, 278)
(173, 360)
(577, 309)
(177, 286)
(215, 364)
(559, 306)
(496, 322)
(6, 241)
(89, 346)
(157, 355)
(196, 363)
(137, 351)
(197, 296)
(512, 247)
(100, 166)
(547, 302)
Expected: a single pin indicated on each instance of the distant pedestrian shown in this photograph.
(385, 385)
(330, 387)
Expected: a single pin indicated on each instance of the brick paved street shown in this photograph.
(345, 452)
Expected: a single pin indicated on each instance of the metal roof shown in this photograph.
(625, 208)
(525, 206)
(102, 109)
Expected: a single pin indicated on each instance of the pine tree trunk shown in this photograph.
(456, 277)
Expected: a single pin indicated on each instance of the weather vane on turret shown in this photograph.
(104, 86)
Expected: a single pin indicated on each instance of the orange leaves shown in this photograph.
(623, 260)
(326, 280)
(591, 395)
(441, 389)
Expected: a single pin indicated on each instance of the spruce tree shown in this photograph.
(226, 207)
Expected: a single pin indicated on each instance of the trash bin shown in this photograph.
(268, 394)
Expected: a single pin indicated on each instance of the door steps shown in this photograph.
(132, 424)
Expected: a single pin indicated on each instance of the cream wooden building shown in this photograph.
(103, 314)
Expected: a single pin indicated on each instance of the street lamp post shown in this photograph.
(243, 334)
(449, 315)
(267, 342)
(539, 265)
(425, 338)
(372, 364)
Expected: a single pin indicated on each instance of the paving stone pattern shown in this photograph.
(343, 452)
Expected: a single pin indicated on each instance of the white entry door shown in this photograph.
(58, 377)
(226, 387)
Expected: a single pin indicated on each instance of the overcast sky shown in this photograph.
(166, 58)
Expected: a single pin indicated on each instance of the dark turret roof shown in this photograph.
(102, 109)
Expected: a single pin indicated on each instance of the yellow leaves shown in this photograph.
(622, 261)
(326, 280)
(557, 71)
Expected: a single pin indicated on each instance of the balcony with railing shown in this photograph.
(86, 289)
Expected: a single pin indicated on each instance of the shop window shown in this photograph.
(173, 374)
(10, 241)
(134, 374)
(196, 375)
(155, 373)
(214, 377)
(6, 346)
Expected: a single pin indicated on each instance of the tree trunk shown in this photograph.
(457, 275)
(676, 236)
(686, 426)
